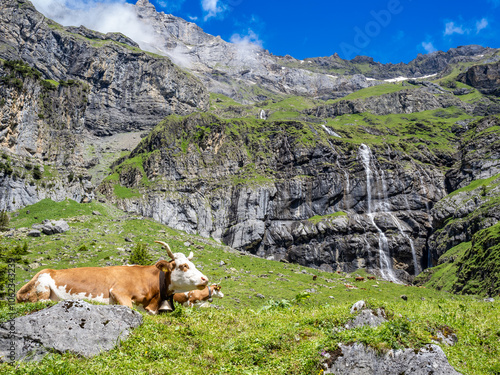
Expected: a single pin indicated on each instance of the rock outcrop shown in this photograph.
(70, 326)
(357, 359)
(485, 78)
(405, 101)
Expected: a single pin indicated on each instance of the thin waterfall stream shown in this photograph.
(384, 252)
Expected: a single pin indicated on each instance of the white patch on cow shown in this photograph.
(181, 281)
(200, 304)
(43, 283)
(218, 294)
(46, 282)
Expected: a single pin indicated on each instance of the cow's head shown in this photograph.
(181, 274)
(216, 291)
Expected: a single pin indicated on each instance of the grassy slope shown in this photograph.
(282, 333)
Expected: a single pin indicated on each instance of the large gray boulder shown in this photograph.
(55, 226)
(359, 360)
(70, 326)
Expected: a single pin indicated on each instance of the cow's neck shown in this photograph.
(210, 299)
(164, 294)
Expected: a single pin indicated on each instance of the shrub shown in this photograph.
(4, 220)
(140, 255)
(37, 173)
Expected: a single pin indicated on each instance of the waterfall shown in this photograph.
(364, 152)
(384, 251)
(330, 131)
(263, 115)
(412, 245)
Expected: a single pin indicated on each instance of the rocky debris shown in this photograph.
(431, 87)
(50, 227)
(485, 78)
(70, 326)
(367, 317)
(34, 233)
(462, 91)
(359, 360)
(445, 336)
(358, 306)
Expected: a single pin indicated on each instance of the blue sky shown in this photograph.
(389, 30)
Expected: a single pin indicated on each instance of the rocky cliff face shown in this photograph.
(291, 193)
(40, 125)
(405, 101)
(128, 89)
(485, 78)
(472, 207)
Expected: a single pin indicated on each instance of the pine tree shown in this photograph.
(140, 255)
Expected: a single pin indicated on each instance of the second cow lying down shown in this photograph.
(199, 298)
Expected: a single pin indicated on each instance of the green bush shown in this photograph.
(37, 173)
(140, 255)
(4, 220)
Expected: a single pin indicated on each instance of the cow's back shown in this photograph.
(93, 283)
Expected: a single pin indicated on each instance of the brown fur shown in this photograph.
(123, 285)
(195, 295)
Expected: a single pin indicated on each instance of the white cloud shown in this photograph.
(100, 15)
(212, 8)
(247, 46)
(451, 29)
(429, 47)
(481, 25)
(251, 39)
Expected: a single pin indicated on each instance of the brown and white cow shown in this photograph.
(149, 286)
(199, 298)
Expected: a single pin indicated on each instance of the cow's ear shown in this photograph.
(165, 266)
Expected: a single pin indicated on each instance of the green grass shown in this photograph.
(372, 91)
(428, 129)
(486, 184)
(478, 270)
(285, 332)
(123, 192)
(317, 219)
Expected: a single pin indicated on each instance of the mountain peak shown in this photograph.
(143, 3)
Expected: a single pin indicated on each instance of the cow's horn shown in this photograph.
(165, 245)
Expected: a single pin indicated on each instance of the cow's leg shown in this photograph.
(117, 298)
(153, 306)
